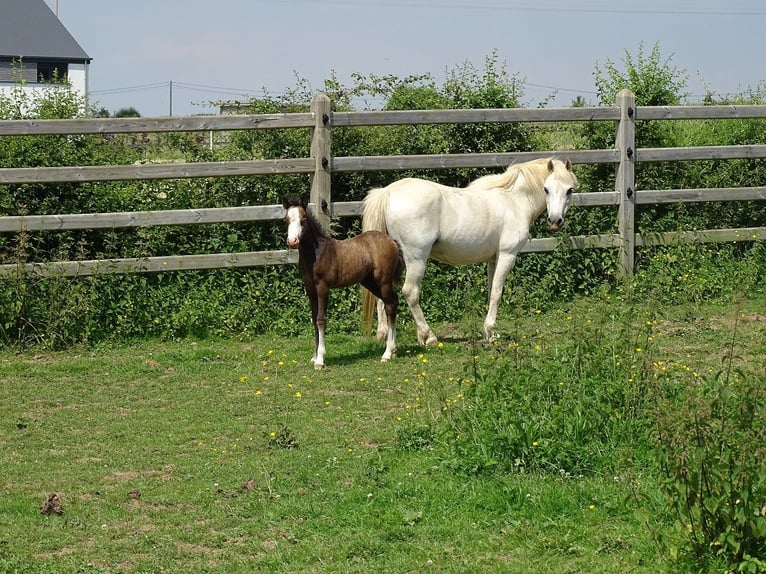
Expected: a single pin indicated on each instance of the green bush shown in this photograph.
(572, 406)
(712, 453)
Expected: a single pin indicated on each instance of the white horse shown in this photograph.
(487, 221)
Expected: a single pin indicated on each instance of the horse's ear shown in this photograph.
(285, 204)
(550, 165)
(568, 164)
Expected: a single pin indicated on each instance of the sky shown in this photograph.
(180, 57)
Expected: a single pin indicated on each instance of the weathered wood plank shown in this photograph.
(701, 153)
(418, 117)
(155, 171)
(592, 198)
(705, 236)
(540, 244)
(260, 258)
(115, 220)
(282, 166)
(321, 154)
(452, 161)
(699, 112)
(152, 264)
(625, 183)
(155, 125)
(659, 196)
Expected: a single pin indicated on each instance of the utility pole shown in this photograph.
(171, 98)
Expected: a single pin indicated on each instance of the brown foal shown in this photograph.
(371, 259)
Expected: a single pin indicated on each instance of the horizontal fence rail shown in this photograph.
(319, 123)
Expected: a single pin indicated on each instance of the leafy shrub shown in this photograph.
(697, 272)
(569, 406)
(711, 449)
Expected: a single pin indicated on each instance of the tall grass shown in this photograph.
(572, 399)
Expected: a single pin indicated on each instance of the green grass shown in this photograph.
(231, 456)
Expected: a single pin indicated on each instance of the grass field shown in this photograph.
(236, 456)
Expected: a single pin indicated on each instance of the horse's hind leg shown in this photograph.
(383, 328)
(416, 269)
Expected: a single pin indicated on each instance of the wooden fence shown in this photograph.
(321, 164)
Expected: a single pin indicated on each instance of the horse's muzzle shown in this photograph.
(293, 242)
(555, 225)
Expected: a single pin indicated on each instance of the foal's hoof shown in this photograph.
(317, 364)
(388, 356)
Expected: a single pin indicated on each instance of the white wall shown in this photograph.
(78, 78)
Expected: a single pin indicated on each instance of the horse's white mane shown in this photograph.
(534, 171)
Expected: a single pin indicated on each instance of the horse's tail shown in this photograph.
(374, 219)
(374, 210)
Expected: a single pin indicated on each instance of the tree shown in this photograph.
(130, 112)
(654, 81)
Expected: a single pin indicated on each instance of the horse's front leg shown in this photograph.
(498, 272)
(320, 324)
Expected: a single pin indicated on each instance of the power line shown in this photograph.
(140, 88)
(538, 6)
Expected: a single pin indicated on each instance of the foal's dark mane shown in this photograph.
(316, 228)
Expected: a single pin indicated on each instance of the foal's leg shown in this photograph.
(502, 267)
(416, 268)
(321, 324)
(390, 303)
(311, 292)
(381, 284)
(390, 309)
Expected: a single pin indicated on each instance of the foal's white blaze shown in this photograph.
(294, 228)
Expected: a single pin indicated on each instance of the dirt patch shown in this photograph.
(133, 475)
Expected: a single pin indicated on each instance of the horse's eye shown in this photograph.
(545, 189)
(570, 190)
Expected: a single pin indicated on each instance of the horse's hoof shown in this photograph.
(318, 366)
(428, 339)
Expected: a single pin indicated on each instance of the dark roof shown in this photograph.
(30, 29)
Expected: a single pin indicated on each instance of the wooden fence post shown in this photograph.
(320, 152)
(626, 181)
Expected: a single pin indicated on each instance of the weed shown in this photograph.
(711, 452)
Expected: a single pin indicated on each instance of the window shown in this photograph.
(50, 71)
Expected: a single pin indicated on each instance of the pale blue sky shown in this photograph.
(229, 49)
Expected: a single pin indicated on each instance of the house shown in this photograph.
(35, 48)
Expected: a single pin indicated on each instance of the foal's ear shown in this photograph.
(285, 204)
(550, 166)
(568, 165)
